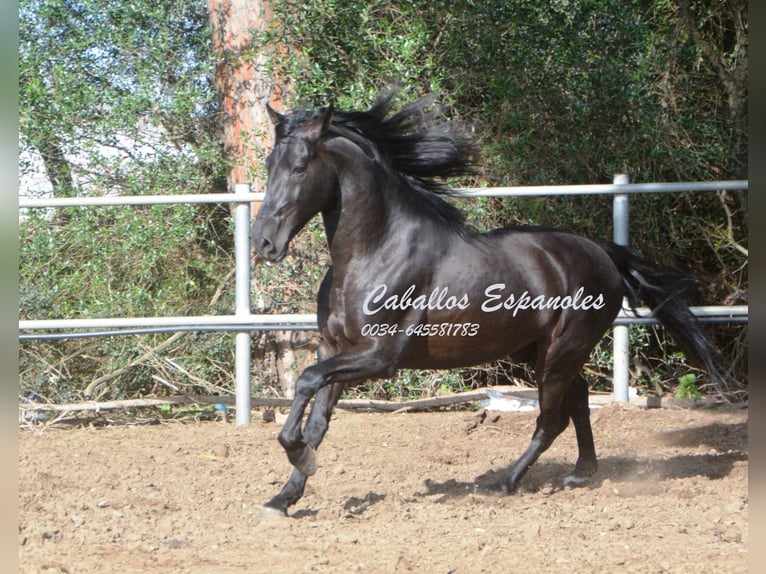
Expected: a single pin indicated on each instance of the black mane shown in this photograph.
(419, 144)
(422, 146)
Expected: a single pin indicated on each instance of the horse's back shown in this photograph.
(522, 288)
(538, 258)
(564, 264)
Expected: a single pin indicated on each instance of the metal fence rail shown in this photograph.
(80, 328)
(243, 322)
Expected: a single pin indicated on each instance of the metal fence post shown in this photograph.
(242, 300)
(620, 334)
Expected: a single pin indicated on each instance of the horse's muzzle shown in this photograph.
(264, 243)
(266, 249)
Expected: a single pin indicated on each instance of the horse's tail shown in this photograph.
(665, 291)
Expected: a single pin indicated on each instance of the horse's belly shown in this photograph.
(502, 328)
(465, 343)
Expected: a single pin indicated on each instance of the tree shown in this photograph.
(247, 79)
(245, 84)
(720, 35)
(116, 97)
(108, 90)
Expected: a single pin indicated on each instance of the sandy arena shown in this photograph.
(394, 493)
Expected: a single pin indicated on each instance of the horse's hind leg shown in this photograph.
(579, 411)
(551, 422)
(316, 426)
(563, 394)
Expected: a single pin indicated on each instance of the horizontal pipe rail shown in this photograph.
(704, 314)
(290, 322)
(200, 320)
(243, 322)
(107, 200)
(108, 327)
(522, 191)
(603, 189)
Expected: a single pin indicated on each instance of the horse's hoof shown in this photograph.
(308, 462)
(575, 481)
(503, 487)
(581, 474)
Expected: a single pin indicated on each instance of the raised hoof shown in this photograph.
(307, 464)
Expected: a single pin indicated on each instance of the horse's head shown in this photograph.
(300, 183)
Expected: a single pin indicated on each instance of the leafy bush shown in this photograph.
(119, 98)
(562, 93)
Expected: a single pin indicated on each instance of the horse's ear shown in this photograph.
(274, 115)
(327, 117)
(320, 124)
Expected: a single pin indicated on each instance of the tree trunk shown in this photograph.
(49, 145)
(244, 85)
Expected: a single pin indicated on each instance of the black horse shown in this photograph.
(411, 286)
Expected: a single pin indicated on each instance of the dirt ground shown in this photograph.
(394, 493)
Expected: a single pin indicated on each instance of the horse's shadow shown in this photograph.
(354, 506)
(728, 441)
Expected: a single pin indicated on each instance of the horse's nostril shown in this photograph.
(264, 246)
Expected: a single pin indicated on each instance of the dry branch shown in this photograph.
(96, 383)
(353, 404)
(348, 404)
(100, 381)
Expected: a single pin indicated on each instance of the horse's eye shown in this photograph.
(299, 169)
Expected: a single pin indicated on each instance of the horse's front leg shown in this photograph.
(301, 451)
(317, 424)
(345, 367)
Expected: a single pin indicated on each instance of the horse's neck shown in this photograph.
(371, 210)
(359, 219)
(330, 221)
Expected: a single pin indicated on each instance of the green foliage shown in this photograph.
(116, 261)
(687, 387)
(118, 97)
(584, 82)
(119, 262)
(340, 51)
(558, 93)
